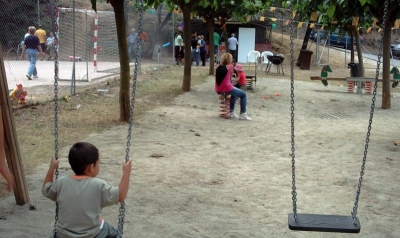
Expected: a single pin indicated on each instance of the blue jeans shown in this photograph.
(132, 52)
(32, 56)
(216, 49)
(238, 93)
(197, 55)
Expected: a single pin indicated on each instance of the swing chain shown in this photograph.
(294, 193)
(121, 216)
(378, 63)
(56, 108)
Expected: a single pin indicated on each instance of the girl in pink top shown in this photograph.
(223, 84)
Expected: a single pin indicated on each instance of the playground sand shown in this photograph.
(198, 175)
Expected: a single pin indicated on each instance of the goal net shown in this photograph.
(94, 42)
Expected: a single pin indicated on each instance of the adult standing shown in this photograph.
(132, 41)
(32, 48)
(41, 34)
(232, 42)
(203, 50)
(217, 39)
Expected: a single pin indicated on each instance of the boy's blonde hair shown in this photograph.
(226, 58)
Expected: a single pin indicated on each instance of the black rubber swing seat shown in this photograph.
(324, 223)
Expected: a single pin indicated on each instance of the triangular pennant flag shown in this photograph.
(375, 21)
(287, 22)
(369, 29)
(322, 27)
(262, 18)
(300, 25)
(355, 21)
(248, 18)
(313, 16)
(294, 14)
(273, 19)
(272, 9)
(397, 24)
(312, 25)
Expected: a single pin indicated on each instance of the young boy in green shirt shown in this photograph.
(82, 196)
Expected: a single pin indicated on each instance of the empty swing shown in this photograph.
(121, 215)
(318, 222)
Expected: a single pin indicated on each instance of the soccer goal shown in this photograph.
(88, 45)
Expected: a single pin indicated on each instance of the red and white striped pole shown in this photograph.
(96, 28)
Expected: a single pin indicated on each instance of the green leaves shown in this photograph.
(331, 11)
(363, 2)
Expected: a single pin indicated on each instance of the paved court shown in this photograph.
(84, 73)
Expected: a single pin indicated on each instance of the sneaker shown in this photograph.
(29, 77)
(35, 76)
(244, 116)
(233, 115)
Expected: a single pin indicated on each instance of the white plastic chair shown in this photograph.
(253, 56)
(265, 61)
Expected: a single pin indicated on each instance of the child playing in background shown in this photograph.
(240, 80)
(82, 196)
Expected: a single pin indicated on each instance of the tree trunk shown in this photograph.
(305, 43)
(187, 31)
(351, 31)
(124, 91)
(387, 39)
(356, 33)
(225, 38)
(210, 24)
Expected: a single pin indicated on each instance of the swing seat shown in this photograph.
(324, 223)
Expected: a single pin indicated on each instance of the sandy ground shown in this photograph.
(198, 175)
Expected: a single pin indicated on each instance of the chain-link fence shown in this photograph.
(87, 42)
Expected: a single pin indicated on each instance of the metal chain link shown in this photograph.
(294, 193)
(378, 63)
(56, 70)
(121, 215)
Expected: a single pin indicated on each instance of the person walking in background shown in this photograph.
(4, 170)
(32, 48)
(203, 50)
(41, 34)
(217, 39)
(232, 42)
(132, 41)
